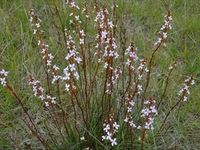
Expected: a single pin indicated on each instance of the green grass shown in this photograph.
(19, 55)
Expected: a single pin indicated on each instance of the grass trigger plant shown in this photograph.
(100, 96)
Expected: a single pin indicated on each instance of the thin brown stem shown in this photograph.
(149, 73)
(143, 139)
(171, 109)
(165, 89)
(36, 132)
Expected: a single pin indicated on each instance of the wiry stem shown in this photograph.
(167, 115)
(36, 132)
(143, 138)
(149, 73)
(166, 84)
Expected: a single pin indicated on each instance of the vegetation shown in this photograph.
(99, 75)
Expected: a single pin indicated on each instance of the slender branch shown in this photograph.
(36, 132)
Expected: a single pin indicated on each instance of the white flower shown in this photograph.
(3, 81)
(129, 109)
(116, 55)
(67, 87)
(110, 23)
(46, 104)
(139, 87)
(48, 62)
(67, 76)
(82, 41)
(4, 73)
(114, 45)
(170, 18)
(82, 138)
(56, 67)
(146, 70)
(113, 142)
(34, 31)
(72, 67)
(132, 103)
(42, 97)
(185, 98)
(126, 119)
(70, 21)
(171, 67)
(164, 35)
(78, 60)
(53, 101)
(115, 125)
(105, 65)
(106, 128)
(104, 34)
(82, 32)
(37, 25)
(77, 18)
(193, 82)
(76, 75)
(132, 124)
(50, 56)
(104, 137)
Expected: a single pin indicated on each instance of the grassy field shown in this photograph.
(142, 20)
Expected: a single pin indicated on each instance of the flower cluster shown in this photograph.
(148, 113)
(38, 91)
(50, 100)
(141, 70)
(132, 55)
(46, 55)
(110, 48)
(136, 66)
(172, 66)
(114, 77)
(104, 36)
(75, 20)
(56, 74)
(130, 103)
(70, 72)
(164, 29)
(82, 37)
(3, 76)
(85, 11)
(185, 92)
(36, 87)
(104, 24)
(117, 72)
(72, 4)
(106, 41)
(35, 23)
(110, 129)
